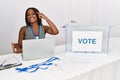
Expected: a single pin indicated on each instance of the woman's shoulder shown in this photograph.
(23, 28)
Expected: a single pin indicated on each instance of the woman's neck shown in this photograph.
(34, 25)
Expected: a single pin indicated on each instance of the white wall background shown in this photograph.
(97, 13)
(107, 12)
(61, 12)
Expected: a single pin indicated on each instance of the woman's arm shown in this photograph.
(51, 29)
(20, 38)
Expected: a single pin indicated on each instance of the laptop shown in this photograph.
(38, 49)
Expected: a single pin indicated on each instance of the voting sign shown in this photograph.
(87, 41)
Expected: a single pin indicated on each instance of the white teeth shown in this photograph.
(31, 18)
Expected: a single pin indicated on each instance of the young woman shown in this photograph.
(34, 28)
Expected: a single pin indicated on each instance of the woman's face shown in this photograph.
(31, 16)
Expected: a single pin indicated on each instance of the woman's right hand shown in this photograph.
(19, 50)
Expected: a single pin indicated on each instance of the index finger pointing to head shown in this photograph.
(37, 12)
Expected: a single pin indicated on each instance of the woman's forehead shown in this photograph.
(30, 10)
